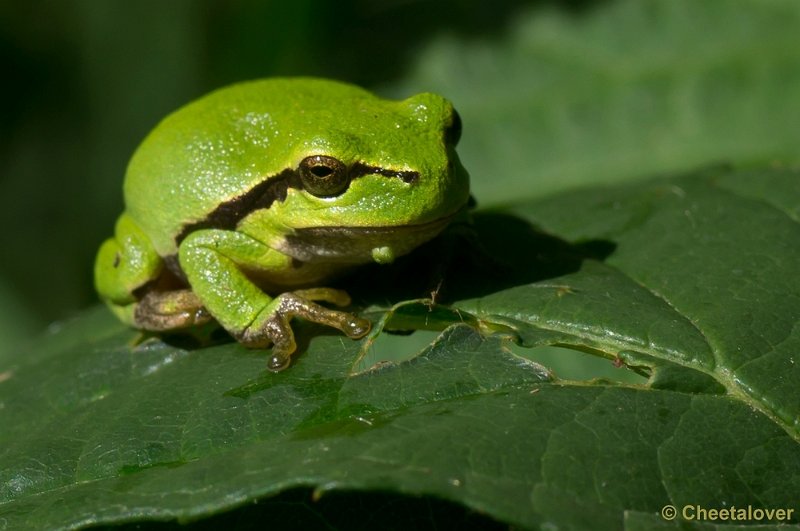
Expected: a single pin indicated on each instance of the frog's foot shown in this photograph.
(275, 328)
(161, 311)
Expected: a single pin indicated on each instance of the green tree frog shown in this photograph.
(240, 205)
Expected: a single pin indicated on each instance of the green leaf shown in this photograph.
(678, 281)
(703, 275)
(690, 282)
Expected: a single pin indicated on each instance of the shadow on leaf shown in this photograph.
(301, 509)
(497, 252)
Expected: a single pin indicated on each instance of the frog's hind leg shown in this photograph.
(163, 311)
(125, 264)
(133, 281)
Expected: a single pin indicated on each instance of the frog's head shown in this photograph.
(318, 168)
(375, 179)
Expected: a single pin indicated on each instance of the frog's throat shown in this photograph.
(228, 214)
(355, 245)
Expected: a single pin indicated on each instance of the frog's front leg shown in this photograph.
(215, 263)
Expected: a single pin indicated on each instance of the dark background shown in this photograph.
(85, 80)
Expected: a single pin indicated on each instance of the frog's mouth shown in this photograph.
(355, 245)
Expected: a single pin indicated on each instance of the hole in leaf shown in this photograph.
(569, 364)
(395, 348)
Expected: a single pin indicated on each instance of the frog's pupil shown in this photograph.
(321, 171)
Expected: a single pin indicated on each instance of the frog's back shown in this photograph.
(217, 148)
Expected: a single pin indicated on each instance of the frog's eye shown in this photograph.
(323, 176)
(453, 132)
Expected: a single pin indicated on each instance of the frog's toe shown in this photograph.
(278, 361)
(356, 327)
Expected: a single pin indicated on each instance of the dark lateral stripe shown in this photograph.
(358, 170)
(228, 214)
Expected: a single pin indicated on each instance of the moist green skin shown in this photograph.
(221, 222)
